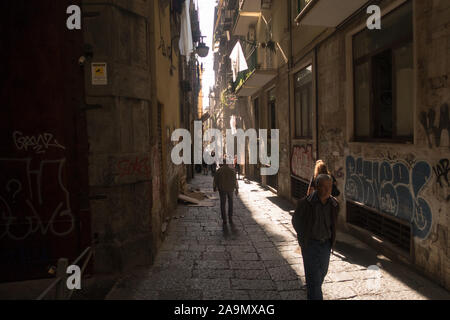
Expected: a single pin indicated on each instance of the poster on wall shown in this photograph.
(99, 74)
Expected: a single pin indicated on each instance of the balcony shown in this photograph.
(247, 15)
(328, 13)
(250, 81)
(250, 5)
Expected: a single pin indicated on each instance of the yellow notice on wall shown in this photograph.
(99, 73)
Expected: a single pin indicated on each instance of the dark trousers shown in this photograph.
(316, 258)
(223, 199)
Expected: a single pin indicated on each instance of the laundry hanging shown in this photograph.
(186, 42)
(238, 62)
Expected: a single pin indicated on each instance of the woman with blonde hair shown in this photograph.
(321, 168)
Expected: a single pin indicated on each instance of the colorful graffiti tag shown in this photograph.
(391, 188)
(302, 162)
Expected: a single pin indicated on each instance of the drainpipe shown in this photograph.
(291, 59)
(290, 65)
(317, 101)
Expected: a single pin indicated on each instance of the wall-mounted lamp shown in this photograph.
(202, 50)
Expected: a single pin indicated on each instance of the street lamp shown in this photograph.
(202, 49)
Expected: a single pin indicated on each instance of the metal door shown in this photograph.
(43, 142)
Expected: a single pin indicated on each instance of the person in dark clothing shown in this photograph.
(205, 167)
(225, 181)
(315, 221)
(213, 165)
(321, 168)
(237, 167)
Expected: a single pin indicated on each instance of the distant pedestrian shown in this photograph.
(225, 181)
(321, 168)
(237, 167)
(315, 221)
(213, 166)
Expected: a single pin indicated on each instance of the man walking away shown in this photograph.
(237, 167)
(213, 166)
(225, 181)
(315, 222)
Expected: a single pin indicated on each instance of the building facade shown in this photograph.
(371, 103)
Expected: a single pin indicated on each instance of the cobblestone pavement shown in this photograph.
(260, 259)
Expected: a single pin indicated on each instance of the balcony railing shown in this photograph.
(302, 5)
(252, 61)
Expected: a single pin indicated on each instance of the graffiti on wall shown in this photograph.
(135, 166)
(392, 188)
(435, 128)
(34, 200)
(441, 171)
(302, 162)
(39, 144)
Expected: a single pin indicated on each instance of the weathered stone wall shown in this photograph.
(331, 77)
(432, 27)
(123, 165)
(282, 105)
(166, 86)
(408, 181)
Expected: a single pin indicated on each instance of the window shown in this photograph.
(301, 4)
(298, 188)
(303, 103)
(389, 228)
(383, 79)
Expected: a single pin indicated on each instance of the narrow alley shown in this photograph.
(334, 113)
(258, 258)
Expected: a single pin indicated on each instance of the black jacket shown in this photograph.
(302, 219)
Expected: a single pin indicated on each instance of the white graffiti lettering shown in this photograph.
(38, 143)
(24, 212)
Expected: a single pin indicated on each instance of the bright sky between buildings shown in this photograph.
(206, 17)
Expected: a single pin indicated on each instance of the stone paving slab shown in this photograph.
(259, 259)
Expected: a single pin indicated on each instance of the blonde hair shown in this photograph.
(320, 168)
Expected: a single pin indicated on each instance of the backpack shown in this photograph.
(335, 191)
